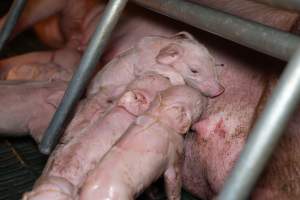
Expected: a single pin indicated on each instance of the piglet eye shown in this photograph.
(194, 71)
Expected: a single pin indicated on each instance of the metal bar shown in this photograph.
(265, 134)
(262, 38)
(83, 74)
(285, 4)
(11, 20)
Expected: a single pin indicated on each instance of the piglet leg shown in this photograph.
(173, 183)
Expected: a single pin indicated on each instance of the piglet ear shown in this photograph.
(169, 54)
(134, 102)
(183, 35)
(182, 120)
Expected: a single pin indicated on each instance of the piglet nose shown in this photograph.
(213, 89)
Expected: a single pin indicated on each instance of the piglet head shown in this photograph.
(193, 61)
(142, 91)
(179, 107)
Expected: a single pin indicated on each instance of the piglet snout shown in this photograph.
(213, 90)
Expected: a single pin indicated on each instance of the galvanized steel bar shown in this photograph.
(285, 4)
(11, 20)
(83, 74)
(265, 134)
(259, 37)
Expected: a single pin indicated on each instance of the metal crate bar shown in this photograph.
(265, 134)
(11, 20)
(256, 36)
(83, 74)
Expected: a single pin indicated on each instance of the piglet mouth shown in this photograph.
(216, 91)
(208, 89)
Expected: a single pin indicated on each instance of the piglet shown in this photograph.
(151, 147)
(180, 57)
(74, 158)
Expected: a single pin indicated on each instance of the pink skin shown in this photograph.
(19, 116)
(151, 147)
(49, 65)
(278, 18)
(79, 153)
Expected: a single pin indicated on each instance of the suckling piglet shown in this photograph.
(151, 147)
(181, 58)
(74, 158)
